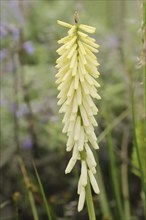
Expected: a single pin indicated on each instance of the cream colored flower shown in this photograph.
(77, 71)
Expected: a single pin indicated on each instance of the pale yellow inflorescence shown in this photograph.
(77, 66)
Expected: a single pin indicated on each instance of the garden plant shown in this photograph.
(87, 61)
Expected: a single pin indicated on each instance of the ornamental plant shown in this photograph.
(77, 85)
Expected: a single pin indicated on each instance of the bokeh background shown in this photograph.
(31, 128)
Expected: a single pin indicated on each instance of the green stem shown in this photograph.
(144, 13)
(112, 125)
(136, 144)
(145, 106)
(48, 209)
(113, 170)
(114, 176)
(144, 41)
(144, 185)
(89, 201)
(33, 206)
(124, 174)
(28, 187)
(144, 26)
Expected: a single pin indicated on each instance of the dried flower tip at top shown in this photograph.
(76, 16)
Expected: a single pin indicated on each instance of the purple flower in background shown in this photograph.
(23, 110)
(27, 143)
(2, 102)
(15, 33)
(13, 107)
(29, 47)
(3, 31)
(6, 30)
(3, 54)
(14, 8)
(20, 112)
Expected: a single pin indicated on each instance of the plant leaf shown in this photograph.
(142, 150)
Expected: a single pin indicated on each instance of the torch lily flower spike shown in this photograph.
(77, 85)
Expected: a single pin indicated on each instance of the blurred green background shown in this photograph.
(31, 127)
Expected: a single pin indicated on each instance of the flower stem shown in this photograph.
(89, 201)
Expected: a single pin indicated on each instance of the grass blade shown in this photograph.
(48, 209)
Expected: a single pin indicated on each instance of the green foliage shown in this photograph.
(142, 150)
(48, 209)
